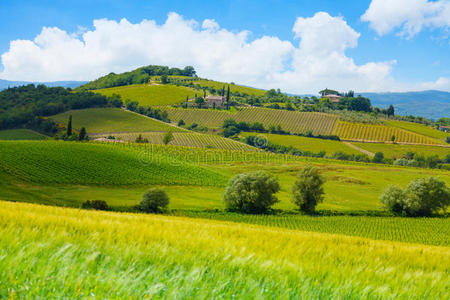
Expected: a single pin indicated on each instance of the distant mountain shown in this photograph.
(429, 104)
(4, 84)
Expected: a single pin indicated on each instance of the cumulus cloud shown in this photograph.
(411, 16)
(318, 60)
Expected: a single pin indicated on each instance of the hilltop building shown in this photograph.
(333, 98)
(215, 101)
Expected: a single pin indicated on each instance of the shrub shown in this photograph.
(307, 190)
(95, 204)
(154, 200)
(447, 139)
(251, 192)
(422, 197)
(393, 198)
(181, 123)
(426, 196)
(378, 158)
(168, 137)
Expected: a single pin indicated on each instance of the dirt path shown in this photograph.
(370, 154)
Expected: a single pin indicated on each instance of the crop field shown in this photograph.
(106, 120)
(67, 253)
(380, 133)
(21, 134)
(397, 151)
(188, 139)
(151, 95)
(314, 145)
(295, 122)
(217, 85)
(56, 162)
(420, 129)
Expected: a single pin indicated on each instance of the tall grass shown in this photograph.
(49, 252)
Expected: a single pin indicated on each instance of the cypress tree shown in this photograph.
(223, 91)
(228, 97)
(69, 126)
(82, 135)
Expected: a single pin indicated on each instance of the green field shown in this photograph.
(420, 129)
(380, 133)
(314, 145)
(397, 150)
(188, 139)
(151, 95)
(21, 134)
(110, 120)
(216, 84)
(66, 253)
(96, 164)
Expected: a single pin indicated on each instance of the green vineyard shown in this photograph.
(197, 140)
(380, 133)
(293, 121)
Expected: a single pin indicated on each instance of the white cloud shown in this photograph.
(318, 61)
(411, 16)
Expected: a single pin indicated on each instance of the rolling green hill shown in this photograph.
(307, 144)
(56, 162)
(397, 150)
(151, 94)
(420, 129)
(105, 120)
(189, 139)
(21, 134)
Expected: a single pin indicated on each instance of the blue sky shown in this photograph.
(414, 58)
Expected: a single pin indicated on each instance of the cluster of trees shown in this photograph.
(254, 192)
(412, 159)
(422, 197)
(19, 106)
(148, 111)
(71, 135)
(231, 127)
(138, 76)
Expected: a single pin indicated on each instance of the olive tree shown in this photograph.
(251, 192)
(307, 190)
(154, 200)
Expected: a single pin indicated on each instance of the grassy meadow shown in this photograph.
(110, 120)
(21, 134)
(151, 94)
(398, 150)
(66, 253)
(314, 145)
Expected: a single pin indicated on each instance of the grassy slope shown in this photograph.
(21, 134)
(66, 253)
(307, 144)
(151, 95)
(96, 164)
(37, 166)
(104, 120)
(396, 150)
(420, 128)
(189, 139)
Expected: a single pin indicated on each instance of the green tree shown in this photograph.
(378, 158)
(393, 138)
(390, 111)
(82, 135)
(168, 137)
(69, 126)
(393, 198)
(199, 101)
(307, 190)
(251, 192)
(228, 98)
(181, 123)
(164, 79)
(154, 200)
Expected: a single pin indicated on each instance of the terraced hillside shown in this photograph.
(293, 121)
(21, 134)
(151, 94)
(189, 139)
(104, 120)
(54, 162)
(380, 133)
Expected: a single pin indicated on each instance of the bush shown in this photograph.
(447, 139)
(95, 204)
(422, 197)
(251, 192)
(307, 190)
(393, 199)
(378, 158)
(154, 200)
